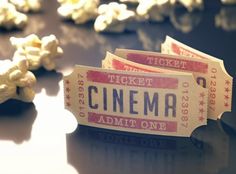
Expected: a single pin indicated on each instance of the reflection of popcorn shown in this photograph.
(85, 38)
(112, 17)
(189, 4)
(9, 17)
(226, 18)
(27, 5)
(149, 43)
(36, 23)
(81, 37)
(155, 10)
(38, 52)
(16, 81)
(183, 20)
(80, 11)
(130, 1)
(228, 1)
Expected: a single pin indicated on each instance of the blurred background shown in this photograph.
(42, 138)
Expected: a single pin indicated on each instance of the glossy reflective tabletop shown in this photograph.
(35, 137)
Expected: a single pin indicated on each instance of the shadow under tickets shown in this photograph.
(16, 120)
(229, 126)
(120, 153)
(216, 155)
(48, 80)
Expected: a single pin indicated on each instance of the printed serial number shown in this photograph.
(185, 105)
(81, 95)
(212, 90)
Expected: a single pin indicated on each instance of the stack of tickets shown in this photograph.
(169, 93)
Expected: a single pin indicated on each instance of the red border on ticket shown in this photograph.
(132, 80)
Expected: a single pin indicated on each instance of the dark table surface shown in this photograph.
(42, 138)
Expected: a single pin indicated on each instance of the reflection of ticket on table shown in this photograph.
(218, 81)
(151, 103)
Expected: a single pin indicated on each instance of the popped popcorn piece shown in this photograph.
(16, 82)
(27, 5)
(38, 52)
(154, 10)
(189, 4)
(113, 17)
(226, 18)
(80, 11)
(228, 2)
(10, 17)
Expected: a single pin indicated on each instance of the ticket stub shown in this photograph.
(219, 82)
(207, 73)
(151, 103)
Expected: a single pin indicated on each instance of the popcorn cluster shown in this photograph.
(80, 11)
(113, 17)
(158, 10)
(10, 17)
(39, 53)
(154, 10)
(16, 82)
(27, 5)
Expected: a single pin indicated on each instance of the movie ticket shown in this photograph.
(152, 103)
(219, 82)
